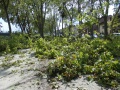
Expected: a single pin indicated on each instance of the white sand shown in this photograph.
(28, 76)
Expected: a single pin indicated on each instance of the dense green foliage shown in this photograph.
(98, 58)
(75, 56)
(14, 42)
(45, 16)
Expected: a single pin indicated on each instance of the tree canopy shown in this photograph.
(45, 16)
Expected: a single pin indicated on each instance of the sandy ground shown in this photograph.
(28, 74)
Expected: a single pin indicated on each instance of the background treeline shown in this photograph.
(98, 58)
(47, 16)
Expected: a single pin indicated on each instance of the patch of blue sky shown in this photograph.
(5, 26)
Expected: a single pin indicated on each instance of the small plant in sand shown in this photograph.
(22, 55)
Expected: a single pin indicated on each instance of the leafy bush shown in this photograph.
(82, 56)
(106, 73)
(105, 70)
(114, 47)
(14, 42)
(45, 49)
(66, 67)
(3, 44)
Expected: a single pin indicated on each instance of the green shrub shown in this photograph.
(52, 54)
(105, 70)
(114, 47)
(82, 56)
(14, 42)
(45, 49)
(66, 67)
(3, 44)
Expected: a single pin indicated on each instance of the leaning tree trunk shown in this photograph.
(113, 19)
(6, 11)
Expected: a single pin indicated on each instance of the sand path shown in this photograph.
(27, 73)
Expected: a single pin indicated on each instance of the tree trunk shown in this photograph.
(42, 19)
(41, 25)
(80, 22)
(113, 19)
(92, 32)
(105, 20)
(55, 16)
(6, 11)
(62, 25)
(105, 25)
(29, 29)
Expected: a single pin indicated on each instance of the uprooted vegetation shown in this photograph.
(75, 57)
(97, 58)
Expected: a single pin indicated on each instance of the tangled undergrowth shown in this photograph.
(98, 58)
(74, 57)
(11, 44)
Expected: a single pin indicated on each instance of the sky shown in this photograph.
(5, 26)
(14, 28)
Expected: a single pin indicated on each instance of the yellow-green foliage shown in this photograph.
(82, 56)
(67, 67)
